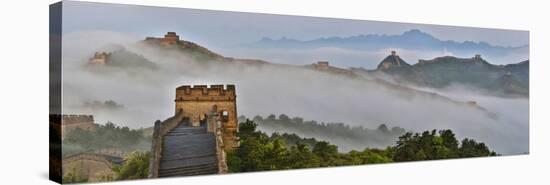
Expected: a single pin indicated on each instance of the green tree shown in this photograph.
(135, 166)
(327, 152)
(250, 155)
(471, 148)
(301, 157)
(71, 178)
(259, 152)
(105, 136)
(383, 128)
(429, 146)
(247, 128)
(373, 156)
(233, 162)
(450, 142)
(406, 148)
(420, 155)
(276, 155)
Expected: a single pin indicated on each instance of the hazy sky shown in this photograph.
(218, 29)
(146, 95)
(313, 95)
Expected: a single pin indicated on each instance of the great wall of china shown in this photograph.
(194, 140)
(93, 167)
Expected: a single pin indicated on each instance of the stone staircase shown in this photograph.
(188, 151)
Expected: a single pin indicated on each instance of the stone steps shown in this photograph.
(188, 151)
(184, 131)
(191, 170)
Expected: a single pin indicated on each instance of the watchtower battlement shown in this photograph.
(76, 119)
(100, 58)
(477, 56)
(72, 121)
(322, 65)
(198, 102)
(205, 93)
(169, 39)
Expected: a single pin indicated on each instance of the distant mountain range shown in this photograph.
(440, 72)
(511, 79)
(413, 39)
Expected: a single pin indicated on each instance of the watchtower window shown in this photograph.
(203, 119)
(225, 115)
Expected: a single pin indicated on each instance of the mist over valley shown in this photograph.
(138, 85)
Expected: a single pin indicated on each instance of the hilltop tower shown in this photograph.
(394, 55)
(100, 58)
(392, 61)
(171, 38)
(71, 122)
(322, 65)
(199, 101)
(477, 57)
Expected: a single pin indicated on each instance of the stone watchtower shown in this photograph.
(477, 57)
(198, 103)
(322, 65)
(171, 38)
(100, 58)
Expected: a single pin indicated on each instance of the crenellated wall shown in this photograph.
(94, 167)
(205, 93)
(199, 100)
(215, 125)
(169, 39)
(211, 106)
(71, 122)
(75, 119)
(100, 58)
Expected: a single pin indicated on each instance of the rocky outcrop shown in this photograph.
(394, 65)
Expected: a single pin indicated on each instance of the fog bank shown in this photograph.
(148, 95)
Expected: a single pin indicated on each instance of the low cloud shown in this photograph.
(276, 89)
(106, 105)
(344, 57)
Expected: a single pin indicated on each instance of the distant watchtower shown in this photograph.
(171, 38)
(477, 57)
(200, 100)
(396, 57)
(100, 58)
(323, 65)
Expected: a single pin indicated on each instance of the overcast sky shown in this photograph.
(219, 29)
(89, 27)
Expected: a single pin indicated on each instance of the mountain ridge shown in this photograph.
(410, 36)
(411, 72)
(323, 66)
(413, 39)
(443, 71)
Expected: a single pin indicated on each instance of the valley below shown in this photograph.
(395, 94)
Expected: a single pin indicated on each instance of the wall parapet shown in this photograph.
(214, 124)
(159, 131)
(205, 93)
(107, 159)
(74, 119)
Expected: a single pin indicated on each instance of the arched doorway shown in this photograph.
(203, 118)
